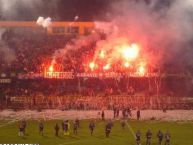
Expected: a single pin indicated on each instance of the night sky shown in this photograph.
(58, 10)
(85, 9)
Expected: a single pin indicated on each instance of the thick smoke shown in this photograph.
(27, 9)
(44, 22)
(76, 44)
(7, 53)
(23, 10)
(162, 28)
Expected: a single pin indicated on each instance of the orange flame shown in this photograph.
(130, 52)
(51, 68)
(126, 64)
(106, 67)
(141, 70)
(102, 54)
(92, 65)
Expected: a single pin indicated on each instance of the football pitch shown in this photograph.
(181, 133)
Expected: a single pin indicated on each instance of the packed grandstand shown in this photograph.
(95, 72)
(24, 83)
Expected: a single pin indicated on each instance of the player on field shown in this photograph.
(91, 127)
(41, 128)
(138, 137)
(167, 138)
(148, 136)
(75, 127)
(67, 128)
(108, 128)
(57, 128)
(138, 114)
(160, 136)
(63, 126)
(77, 122)
(21, 129)
(24, 123)
(103, 115)
(123, 123)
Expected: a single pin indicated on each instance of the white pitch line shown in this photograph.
(130, 128)
(12, 121)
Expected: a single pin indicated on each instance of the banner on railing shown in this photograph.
(71, 75)
(5, 81)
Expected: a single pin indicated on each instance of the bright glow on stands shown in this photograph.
(106, 67)
(141, 70)
(102, 54)
(92, 65)
(130, 52)
(126, 64)
(51, 68)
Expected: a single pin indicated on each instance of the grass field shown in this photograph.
(181, 133)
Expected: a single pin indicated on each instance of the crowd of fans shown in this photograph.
(34, 52)
(31, 51)
(111, 102)
(60, 94)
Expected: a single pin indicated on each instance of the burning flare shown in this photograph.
(141, 70)
(126, 64)
(102, 54)
(106, 67)
(92, 65)
(51, 68)
(130, 52)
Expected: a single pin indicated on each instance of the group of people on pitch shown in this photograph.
(160, 137)
(65, 125)
(22, 127)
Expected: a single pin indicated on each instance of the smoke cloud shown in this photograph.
(23, 10)
(44, 22)
(162, 28)
(76, 44)
(7, 53)
(27, 9)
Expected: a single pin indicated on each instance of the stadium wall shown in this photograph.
(56, 28)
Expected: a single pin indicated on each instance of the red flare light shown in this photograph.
(126, 64)
(141, 70)
(92, 65)
(130, 52)
(102, 54)
(106, 67)
(51, 68)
